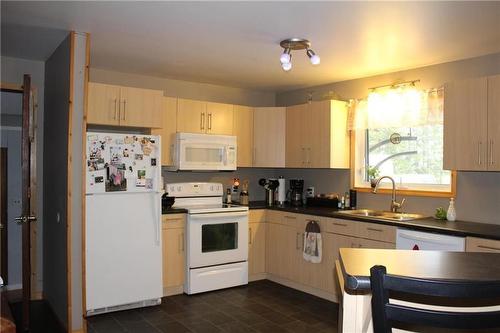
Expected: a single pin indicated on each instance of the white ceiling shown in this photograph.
(236, 43)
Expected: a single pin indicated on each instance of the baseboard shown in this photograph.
(175, 290)
(307, 289)
(257, 276)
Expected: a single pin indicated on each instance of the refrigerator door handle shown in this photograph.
(157, 220)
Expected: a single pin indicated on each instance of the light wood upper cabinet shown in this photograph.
(219, 118)
(191, 116)
(472, 124)
(269, 137)
(465, 124)
(243, 130)
(296, 118)
(168, 129)
(204, 117)
(124, 106)
(317, 136)
(103, 100)
(494, 123)
(141, 107)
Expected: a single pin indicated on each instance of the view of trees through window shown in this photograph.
(410, 155)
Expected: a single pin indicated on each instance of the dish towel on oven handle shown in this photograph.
(313, 244)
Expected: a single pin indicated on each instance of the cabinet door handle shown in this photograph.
(340, 224)
(303, 156)
(254, 156)
(488, 247)
(114, 115)
(479, 152)
(491, 152)
(124, 109)
(209, 121)
(303, 240)
(202, 121)
(308, 155)
(297, 241)
(249, 235)
(373, 229)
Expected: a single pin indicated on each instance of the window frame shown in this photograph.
(422, 192)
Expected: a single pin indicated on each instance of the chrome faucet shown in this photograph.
(395, 206)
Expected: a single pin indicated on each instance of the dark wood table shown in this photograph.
(356, 264)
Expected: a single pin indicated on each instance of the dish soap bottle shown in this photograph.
(451, 215)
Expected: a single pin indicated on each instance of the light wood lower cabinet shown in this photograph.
(174, 262)
(474, 244)
(257, 228)
(285, 243)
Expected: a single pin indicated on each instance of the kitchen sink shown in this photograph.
(381, 215)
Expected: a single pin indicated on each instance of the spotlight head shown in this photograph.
(315, 60)
(285, 56)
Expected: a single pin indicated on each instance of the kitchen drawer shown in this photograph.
(170, 221)
(285, 218)
(343, 227)
(256, 215)
(474, 244)
(379, 232)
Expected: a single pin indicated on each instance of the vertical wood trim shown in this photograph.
(84, 184)
(3, 214)
(69, 178)
(26, 234)
(33, 188)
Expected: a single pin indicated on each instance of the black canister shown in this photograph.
(353, 199)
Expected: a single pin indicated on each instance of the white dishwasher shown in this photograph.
(418, 240)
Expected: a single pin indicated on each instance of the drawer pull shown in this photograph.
(340, 224)
(373, 229)
(290, 217)
(488, 247)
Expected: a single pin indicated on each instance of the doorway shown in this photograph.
(18, 191)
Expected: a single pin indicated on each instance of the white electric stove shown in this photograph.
(216, 237)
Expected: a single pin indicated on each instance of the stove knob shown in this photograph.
(178, 188)
(211, 188)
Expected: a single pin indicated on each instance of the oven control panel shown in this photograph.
(195, 189)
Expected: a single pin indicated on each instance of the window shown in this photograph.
(412, 155)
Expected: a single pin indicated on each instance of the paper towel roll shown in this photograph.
(281, 190)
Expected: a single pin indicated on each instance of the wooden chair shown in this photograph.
(386, 315)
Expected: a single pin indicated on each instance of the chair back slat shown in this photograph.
(443, 288)
(386, 314)
(443, 319)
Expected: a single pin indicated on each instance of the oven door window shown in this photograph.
(219, 237)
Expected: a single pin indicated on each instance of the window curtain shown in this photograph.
(396, 107)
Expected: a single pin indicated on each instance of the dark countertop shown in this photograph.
(356, 264)
(430, 224)
(174, 211)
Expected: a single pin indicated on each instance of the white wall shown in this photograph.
(12, 71)
(185, 89)
(477, 192)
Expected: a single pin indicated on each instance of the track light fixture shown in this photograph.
(296, 44)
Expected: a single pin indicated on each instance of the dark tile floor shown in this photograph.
(262, 306)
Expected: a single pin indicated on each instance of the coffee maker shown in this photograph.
(296, 192)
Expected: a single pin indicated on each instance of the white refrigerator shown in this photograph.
(123, 263)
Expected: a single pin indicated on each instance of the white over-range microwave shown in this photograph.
(204, 152)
